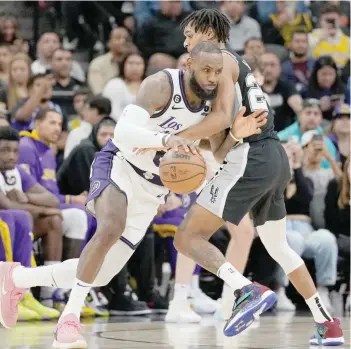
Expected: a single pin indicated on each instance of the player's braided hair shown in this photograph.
(205, 19)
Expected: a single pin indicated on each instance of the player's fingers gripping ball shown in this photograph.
(182, 172)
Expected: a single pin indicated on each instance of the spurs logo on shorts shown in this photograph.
(214, 194)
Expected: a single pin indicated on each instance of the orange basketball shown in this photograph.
(181, 172)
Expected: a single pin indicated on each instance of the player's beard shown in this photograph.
(200, 92)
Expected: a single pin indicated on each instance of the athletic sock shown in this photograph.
(181, 292)
(47, 292)
(31, 277)
(319, 311)
(232, 277)
(57, 275)
(77, 297)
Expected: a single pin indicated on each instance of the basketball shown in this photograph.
(181, 172)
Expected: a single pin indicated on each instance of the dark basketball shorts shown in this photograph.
(252, 179)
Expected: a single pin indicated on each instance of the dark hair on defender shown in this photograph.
(205, 19)
(7, 133)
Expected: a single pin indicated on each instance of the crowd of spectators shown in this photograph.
(55, 115)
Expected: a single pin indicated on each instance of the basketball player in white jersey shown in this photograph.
(253, 179)
(125, 189)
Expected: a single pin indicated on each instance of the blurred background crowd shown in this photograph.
(68, 69)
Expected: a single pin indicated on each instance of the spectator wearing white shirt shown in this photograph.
(105, 67)
(122, 91)
(96, 108)
(48, 43)
(242, 26)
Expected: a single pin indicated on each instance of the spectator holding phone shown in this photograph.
(314, 151)
(340, 131)
(310, 118)
(330, 39)
(325, 84)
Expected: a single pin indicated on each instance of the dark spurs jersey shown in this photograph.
(249, 94)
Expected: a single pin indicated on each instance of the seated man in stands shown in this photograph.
(310, 118)
(16, 245)
(20, 191)
(38, 159)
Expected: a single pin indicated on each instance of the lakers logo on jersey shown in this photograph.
(172, 124)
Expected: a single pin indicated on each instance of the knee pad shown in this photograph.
(273, 237)
(75, 223)
(115, 259)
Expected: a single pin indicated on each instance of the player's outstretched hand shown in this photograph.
(245, 126)
(177, 143)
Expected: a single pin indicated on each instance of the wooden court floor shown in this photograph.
(280, 331)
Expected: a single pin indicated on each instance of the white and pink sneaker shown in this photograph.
(10, 295)
(68, 334)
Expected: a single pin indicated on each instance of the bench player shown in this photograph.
(253, 179)
(125, 189)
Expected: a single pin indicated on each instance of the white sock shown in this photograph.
(76, 299)
(59, 275)
(319, 311)
(46, 292)
(232, 277)
(181, 292)
(195, 282)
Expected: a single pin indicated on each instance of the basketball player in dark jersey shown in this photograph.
(253, 179)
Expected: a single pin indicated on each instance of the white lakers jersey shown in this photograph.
(175, 117)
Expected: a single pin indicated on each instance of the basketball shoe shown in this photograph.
(68, 334)
(180, 311)
(201, 303)
(25, 314)
(328, 334)
(251, 300)
(10, 295)
(45, 313)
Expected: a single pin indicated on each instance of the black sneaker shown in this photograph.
(127, 304)
(157, 303)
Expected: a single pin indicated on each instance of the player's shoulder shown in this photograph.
(158, 84)
(155, 91)
(160, 78)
